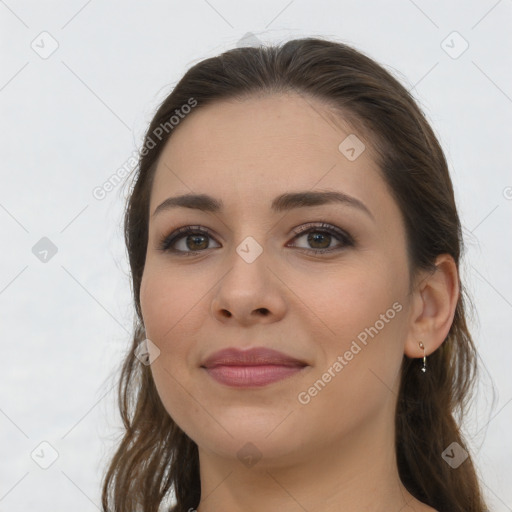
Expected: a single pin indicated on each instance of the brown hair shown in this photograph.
(155, 455)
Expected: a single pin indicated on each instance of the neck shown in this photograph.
(358, 474)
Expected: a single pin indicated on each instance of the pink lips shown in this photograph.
(254, 367)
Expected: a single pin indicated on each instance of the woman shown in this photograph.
(294, 245)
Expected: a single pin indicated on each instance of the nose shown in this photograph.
(249, 293)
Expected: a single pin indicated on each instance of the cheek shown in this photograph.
(171, 321)
(170, 304)
(157, 304)
(348, 302)
(362, 321)
(358, 376)
(172, 318)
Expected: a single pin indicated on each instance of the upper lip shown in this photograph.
(250, 357)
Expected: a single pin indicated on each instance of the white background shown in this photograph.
(71, 120)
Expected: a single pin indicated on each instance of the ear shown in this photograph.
(433, 307)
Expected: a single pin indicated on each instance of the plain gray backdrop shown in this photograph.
(79, 82)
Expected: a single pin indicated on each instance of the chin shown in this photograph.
(258, 440)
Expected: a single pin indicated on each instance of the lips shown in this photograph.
(258, 356)
(251, 368)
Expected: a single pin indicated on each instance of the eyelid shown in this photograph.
(320, 225)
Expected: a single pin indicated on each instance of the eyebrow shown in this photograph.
(283, 202)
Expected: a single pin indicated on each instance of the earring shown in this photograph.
(424, 367)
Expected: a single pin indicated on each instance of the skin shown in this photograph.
(337, 451)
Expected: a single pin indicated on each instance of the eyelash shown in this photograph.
(348, 240)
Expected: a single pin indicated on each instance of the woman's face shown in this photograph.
(254, 281)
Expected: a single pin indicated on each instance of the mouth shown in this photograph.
(255, 367)
(251, 376)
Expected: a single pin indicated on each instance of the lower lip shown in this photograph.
(249, 376)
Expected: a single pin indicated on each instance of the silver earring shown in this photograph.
(424, 367)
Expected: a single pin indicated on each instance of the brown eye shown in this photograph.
(196, 241)
(319, 238)
(187, 240)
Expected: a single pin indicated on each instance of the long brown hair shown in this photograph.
(155, 456)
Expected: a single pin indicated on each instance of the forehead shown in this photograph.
(252, 150)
